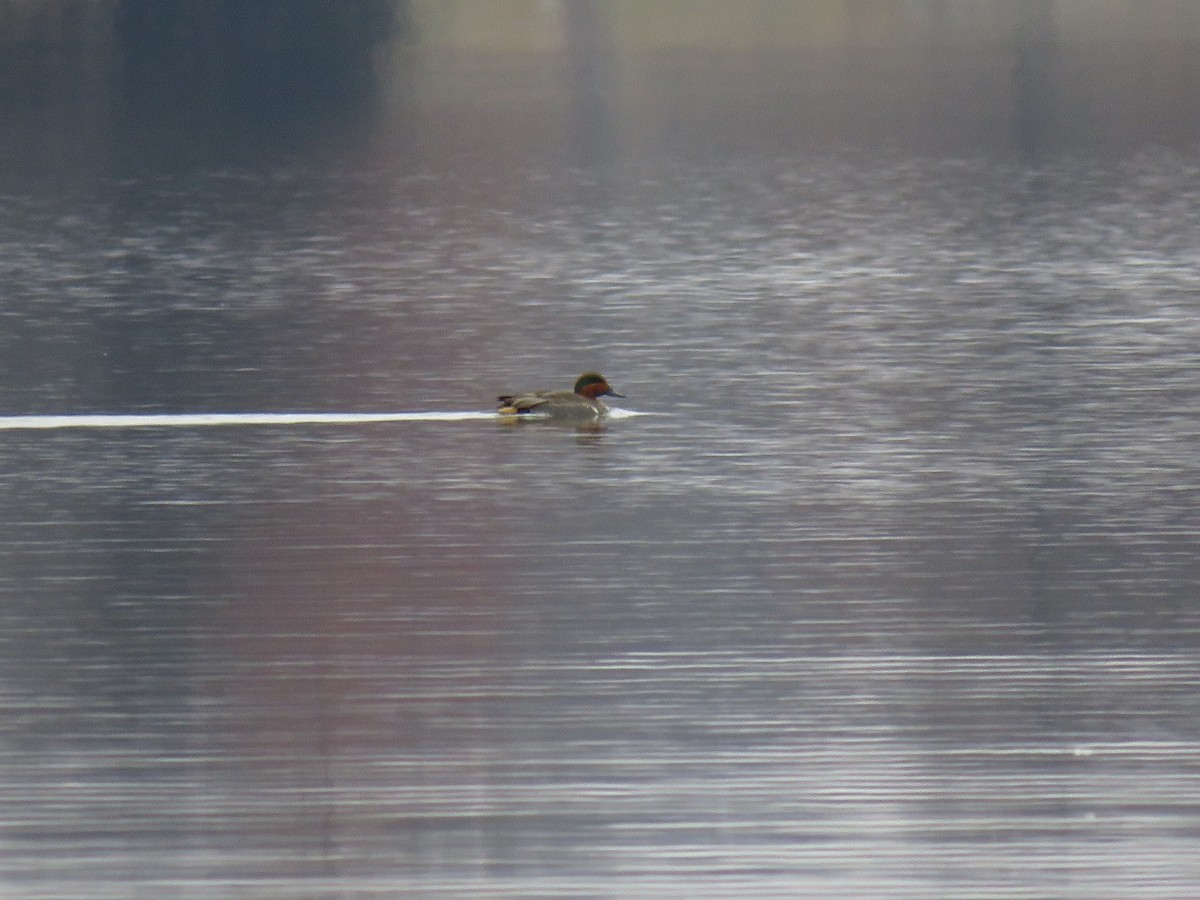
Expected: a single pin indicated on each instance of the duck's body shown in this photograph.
(583, 402)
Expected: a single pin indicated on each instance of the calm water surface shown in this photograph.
(892, 594)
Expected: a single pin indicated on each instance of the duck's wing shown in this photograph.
(523, 403)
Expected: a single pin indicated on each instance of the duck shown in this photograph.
(581, 402)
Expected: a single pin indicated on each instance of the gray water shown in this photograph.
(890, 592)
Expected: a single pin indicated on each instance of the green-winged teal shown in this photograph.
(583, 402)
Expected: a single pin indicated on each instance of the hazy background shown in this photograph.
(570, 79)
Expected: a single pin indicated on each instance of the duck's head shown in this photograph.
(593, 385)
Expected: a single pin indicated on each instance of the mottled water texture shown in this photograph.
(894, 594)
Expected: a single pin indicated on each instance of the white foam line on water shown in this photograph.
(202, 420)
(615, 412)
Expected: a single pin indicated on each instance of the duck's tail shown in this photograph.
(507, 405)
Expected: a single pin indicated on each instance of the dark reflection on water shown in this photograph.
(893, 595)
